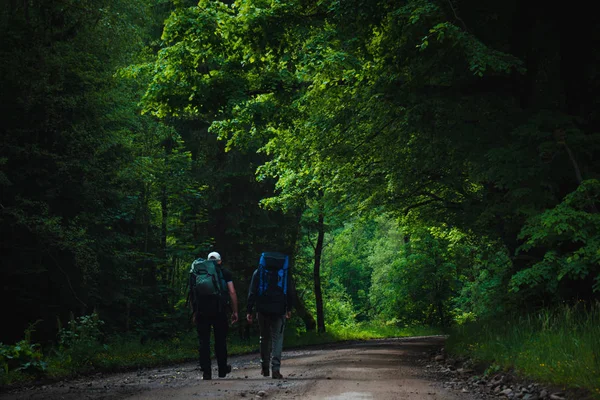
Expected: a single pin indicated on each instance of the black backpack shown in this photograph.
(208, 288)
(273, 283)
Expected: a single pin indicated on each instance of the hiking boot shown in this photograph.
(206, 376)
(277, 375)
(223, 373)
(265, 371)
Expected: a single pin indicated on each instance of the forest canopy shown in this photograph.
(423, 161)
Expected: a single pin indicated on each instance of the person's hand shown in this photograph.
(288, 314)
(249, 318)
(234, 318)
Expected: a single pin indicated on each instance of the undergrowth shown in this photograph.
(560, 346)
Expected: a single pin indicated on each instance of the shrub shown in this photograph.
(23, 356)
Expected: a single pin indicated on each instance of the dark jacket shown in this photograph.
(269, 303)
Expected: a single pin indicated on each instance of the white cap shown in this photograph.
(214, 256)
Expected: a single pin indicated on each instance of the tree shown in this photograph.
(418, 108)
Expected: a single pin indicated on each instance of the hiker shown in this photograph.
(269, 292)
(211, 288)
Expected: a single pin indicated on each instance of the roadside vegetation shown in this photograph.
(559, 346)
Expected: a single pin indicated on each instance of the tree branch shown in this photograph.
(433, 198)
(438, 198)
(417, 205)
(456, 16)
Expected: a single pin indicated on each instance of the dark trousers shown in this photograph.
(271, 340)
(220, 326)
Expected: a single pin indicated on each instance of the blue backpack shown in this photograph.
(273, 283)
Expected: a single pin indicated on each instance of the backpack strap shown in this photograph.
(285, 276)
(224, 296)
(262, 278)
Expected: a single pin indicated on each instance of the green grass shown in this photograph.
(560, 347)
(356, 332)
(122, 353)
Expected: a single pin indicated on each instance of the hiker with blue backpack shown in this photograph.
(269, 292)
(211, 289)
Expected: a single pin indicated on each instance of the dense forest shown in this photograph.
(425, 162)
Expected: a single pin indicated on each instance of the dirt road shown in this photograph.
(379, 369)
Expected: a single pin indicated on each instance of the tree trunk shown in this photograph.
(127, 315)
(309, 321)
(163, 229)
(440, 310)
(317, 273)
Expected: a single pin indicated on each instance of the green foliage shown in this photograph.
(378, 270)
(480, 58)
(394, 107)
(492, 370)
(361, 331)
(24, 356)
(74, 127)
(571, 231)
(79, 341)
(557, 346)
(484, 283)
(419, 282)
(80, 331)
(339, 307)
(347, 258)
(264, 50)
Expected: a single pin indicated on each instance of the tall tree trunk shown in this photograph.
(163, 229)
(146, 216)
(164, 207)
(127, 315)
(441, 315)
(309, 321)
(317, 273)
(147, 264)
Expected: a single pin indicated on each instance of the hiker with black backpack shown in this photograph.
(269, 293)
(211, 288)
